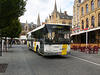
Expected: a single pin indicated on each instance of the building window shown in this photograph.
(82, 24)
(92, 5)
(82, 10)
(98, 3)
(83, 39)
(79, 1)
(63, 22)
(70, 23)
(99, 19)
(93, 21)
(99, 33)
(87, 8)
(87, 23)
(26, 28)
(92, 35)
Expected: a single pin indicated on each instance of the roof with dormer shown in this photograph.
(29, 24)
(65, 16)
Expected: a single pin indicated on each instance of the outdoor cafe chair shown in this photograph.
(95, 49)
(89, 49)
(75, 48)
(83, 49)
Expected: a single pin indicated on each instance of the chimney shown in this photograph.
(65, 12)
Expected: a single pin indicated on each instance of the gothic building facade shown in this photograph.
(59, 17)
(26, 27)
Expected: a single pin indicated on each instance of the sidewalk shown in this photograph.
(91, 57)
(17, 61)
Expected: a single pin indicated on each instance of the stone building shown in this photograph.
(76, 17)
(89, 12)
(26, 27)
(59, 17)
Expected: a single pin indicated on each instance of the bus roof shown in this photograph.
(42, 26)
(58, 24)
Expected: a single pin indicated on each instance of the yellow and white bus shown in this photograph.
(50, 39)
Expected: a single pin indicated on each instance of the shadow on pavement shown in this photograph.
(8, 51)
(56, 57)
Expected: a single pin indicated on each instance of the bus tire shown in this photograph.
(37, 50)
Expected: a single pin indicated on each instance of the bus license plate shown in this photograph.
(59, 53)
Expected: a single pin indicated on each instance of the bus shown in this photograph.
(50, 39)
(30, 41)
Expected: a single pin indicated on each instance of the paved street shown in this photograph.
(22, 61)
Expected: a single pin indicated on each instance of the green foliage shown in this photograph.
(13, 30)
(10, 10)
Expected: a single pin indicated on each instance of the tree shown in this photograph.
(13, 30)
(10, 10)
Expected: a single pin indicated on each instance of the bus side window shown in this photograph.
(53, 35)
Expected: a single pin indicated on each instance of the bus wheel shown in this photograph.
(36, 48)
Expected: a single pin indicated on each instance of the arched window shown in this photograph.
(92, 5)
(82, 10)
(82, 24)
(26, 28)
(93, 21)
(87, 8)
(63, 22)
(98, 3)
(79, 1)
(87, 23)
(99, 19)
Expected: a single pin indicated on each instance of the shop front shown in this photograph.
(84, 38)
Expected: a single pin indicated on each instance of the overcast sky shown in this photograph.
(44, 8)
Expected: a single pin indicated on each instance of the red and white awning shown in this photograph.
(85, 31)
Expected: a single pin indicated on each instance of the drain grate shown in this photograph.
(3, 68)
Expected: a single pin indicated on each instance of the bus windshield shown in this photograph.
(57, 34)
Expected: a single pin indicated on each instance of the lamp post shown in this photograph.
(0, 42)
(86, 39)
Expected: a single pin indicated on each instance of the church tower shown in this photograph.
(55, 7)
(38, 20)
(60, 10)
(55, 13)
(26, 27)
(57, 17)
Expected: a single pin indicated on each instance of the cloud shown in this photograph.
(44, 8)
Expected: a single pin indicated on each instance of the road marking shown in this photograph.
(85, 60)
(30, 64)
